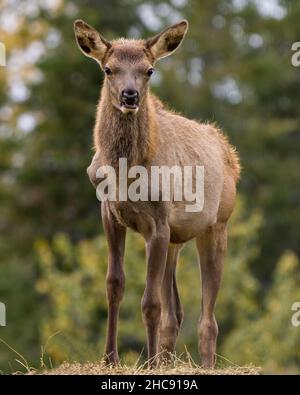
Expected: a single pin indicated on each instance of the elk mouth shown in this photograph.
(129, 101)
(129, 108)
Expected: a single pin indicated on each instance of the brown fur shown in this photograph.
(151, 135)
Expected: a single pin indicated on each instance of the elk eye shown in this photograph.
(150, 72)
(107, 70)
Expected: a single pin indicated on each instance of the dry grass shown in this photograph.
(183, 369)
(178, 366)
(183, 365)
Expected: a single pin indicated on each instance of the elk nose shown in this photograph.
(130, 96)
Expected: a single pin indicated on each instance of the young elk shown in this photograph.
(132, 123)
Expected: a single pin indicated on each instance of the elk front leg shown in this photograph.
(212, 249)
(115, 280)
(172, 313)
(157, 248)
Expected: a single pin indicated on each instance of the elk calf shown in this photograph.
(132, 123)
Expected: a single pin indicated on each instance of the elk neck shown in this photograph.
(130, 136)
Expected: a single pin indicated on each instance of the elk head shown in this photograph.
(128, 64)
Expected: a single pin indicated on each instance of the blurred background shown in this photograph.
(235, 69)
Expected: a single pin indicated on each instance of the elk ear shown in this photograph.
(90, 42)
(166, 42)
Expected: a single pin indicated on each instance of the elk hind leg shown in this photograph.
(212, 248)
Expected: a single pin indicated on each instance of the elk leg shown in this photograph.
(157, 248)
(172, 314)
(115, 280)
(212, 248)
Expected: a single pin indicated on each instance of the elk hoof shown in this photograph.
(165, 357)
(153, 362)
(208, 362)
(112, 359)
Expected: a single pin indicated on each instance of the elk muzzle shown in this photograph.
(129, 100)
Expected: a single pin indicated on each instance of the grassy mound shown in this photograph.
(179, 368)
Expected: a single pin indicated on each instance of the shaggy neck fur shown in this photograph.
(119, 135)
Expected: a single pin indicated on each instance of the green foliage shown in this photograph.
(276, 341)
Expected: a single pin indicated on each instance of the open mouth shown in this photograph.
(130, 106)
(125, 107)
